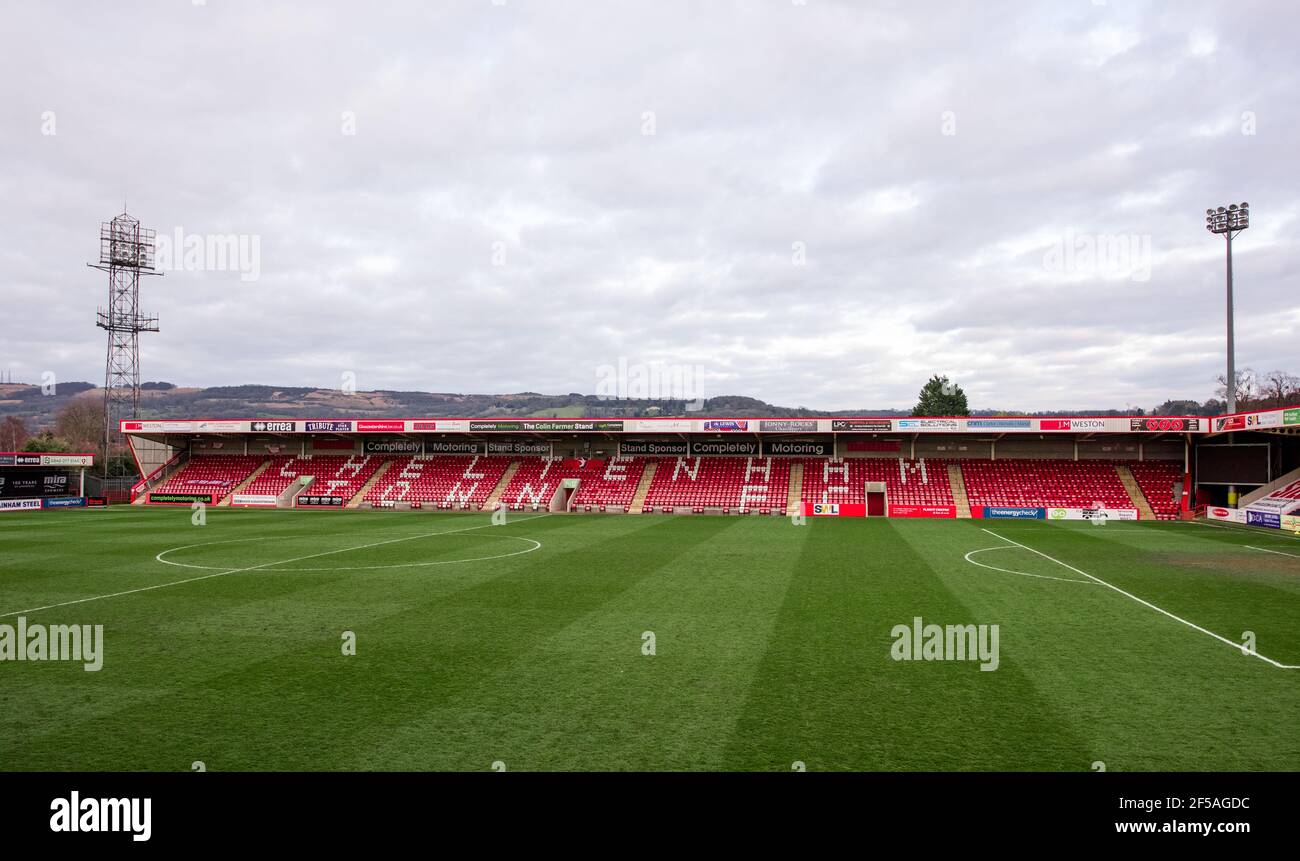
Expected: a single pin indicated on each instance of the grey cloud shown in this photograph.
(774, 124)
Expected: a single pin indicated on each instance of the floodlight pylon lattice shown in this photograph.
(126, 251)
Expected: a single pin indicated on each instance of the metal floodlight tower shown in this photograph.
(1229, 221)
(126, 251)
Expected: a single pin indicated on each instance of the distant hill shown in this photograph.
(164, 400)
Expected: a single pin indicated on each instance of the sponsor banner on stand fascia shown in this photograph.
(327, 427)
(658, 425)
(1232, 515)
(1264, 420)
(1229, 423)
(1076, 425)
(157, 427)
(653, 447)
(928, 425)
(444, 425)
(999, 424)
(727, 425)
(788, 426)
(1271, 519)
(8, 460)
(439, 446)
(516, 446)
(727, 447)
(273, 427)
(572, 426)
(391, 446)
(1291, 417)
(27, 460)
(384, 426)
(797, 448)
(548, 426)
(19, 504)
(221, 427)
(862, 425)
(1164, 424)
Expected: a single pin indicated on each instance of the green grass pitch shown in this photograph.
(523, 643)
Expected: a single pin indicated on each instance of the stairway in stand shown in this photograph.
(239, 488)
(794, 499)
(355, 501)
(958, 486)
(1135, 493)
(638, 499)
(491, 502)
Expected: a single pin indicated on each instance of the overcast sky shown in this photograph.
(814, 203)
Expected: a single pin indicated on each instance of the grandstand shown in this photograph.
(1055, 468)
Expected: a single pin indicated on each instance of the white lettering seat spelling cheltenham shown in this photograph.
(442, 480)
(731, 483)
(907, 482)
(609, 484)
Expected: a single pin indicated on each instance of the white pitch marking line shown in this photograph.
(1243, 530)
(536, 545)
(1145, 603)
(250, 568)
(1278, 552)
(1021, 573)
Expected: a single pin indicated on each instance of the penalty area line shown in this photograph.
(255, 568)
(1146, 603)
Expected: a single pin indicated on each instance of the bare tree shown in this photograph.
(1279, 389)
(14, 433)
(1247, 389)
(81, 423)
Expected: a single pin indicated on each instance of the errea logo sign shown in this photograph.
(130, 815)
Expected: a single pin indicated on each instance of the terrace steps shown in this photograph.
(643, 488)
(958, 486)
(795, 494)
(239, 488)
(495, 496)
(355, 501)
(1135, 493)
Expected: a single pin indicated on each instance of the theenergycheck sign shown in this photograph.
(992, 512)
